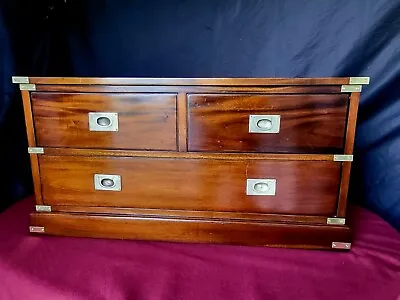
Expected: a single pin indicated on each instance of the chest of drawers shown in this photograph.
(250, 161)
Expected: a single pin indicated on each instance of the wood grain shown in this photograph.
(182, 155)
(198, 231)
(348, 149)
(191, 214)
(309, 123)
(351, 123)
(192, 184)
(184, 161)
(37, 186)
(146, 121)
(182, 122)
(294, 89)
(344, 189)
(30, 130)
(191, 81)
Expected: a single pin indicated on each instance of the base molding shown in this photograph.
(189, 230)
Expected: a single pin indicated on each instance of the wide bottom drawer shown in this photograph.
(198, 231)
(263, 186)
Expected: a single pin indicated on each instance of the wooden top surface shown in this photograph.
(184, 81)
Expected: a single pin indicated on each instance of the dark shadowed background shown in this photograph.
(213, 38)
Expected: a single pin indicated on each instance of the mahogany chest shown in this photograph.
(248, 161)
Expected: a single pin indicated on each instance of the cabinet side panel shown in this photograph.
(351, 123)
(348, 149)
(182, 122)
(30, 131)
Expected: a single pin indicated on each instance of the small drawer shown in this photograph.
(305, 123)
(105, 120)
(282, 187)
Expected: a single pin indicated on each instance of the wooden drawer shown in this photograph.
(308, 123)
(302, 187)
(145, 121)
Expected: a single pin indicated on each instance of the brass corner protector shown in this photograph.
(340, 245)
(351, 88)
(20, 79)
(43, 208)
(27, 87)
(336, 221)
(36, 229)
(359, 80)
(35, 150)
(343, 157)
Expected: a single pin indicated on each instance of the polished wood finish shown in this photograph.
(146, 121)
(192, 184)
(193, 155)
(37, 187)
(344, 189)
(191, 214)
(294, 89)
(348, 149)
(184, 153)
(182, 122)
(30, 130)
(309, 123)
(351, 123)
(198, 231)
(192, 81)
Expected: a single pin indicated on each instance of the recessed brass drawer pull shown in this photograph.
(105, 182)
(264, 123)
(261, 187)
(103, 121)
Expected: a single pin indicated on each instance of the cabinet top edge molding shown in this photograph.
(191, 81)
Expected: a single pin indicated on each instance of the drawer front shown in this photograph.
(286, 187)
(105, 120)
(267, 123)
